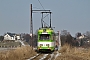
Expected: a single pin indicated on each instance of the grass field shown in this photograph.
(21, 53)
(73, 53)
(9, 44)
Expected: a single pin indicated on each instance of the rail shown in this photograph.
(48, 56)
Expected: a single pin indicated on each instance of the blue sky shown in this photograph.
(70, 15)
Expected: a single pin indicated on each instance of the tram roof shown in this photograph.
(45, 30)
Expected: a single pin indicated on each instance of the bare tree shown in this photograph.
(87, 34)
(78, 34)
(66, 37)
(64, 32)
(1, 38)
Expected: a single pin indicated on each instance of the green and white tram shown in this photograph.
(46, 39)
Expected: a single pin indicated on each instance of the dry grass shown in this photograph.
(21, 53)
(73, 53)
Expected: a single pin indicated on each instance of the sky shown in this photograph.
(70, 15)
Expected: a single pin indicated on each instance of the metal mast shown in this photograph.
(31, 28)
(59, 40)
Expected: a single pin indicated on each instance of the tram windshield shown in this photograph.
(44, 37)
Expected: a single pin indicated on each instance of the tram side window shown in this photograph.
(44, 37)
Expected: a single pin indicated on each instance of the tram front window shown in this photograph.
(44, 37)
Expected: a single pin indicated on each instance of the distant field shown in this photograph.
(6, 49)
(73, 53)
(9, 44)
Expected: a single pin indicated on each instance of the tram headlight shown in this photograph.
(47, 45)
(41, 45)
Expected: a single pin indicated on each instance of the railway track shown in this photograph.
(45, 56)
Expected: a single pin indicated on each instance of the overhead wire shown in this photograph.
(41, 4)
(44, 9)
